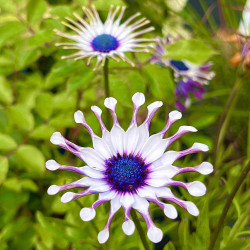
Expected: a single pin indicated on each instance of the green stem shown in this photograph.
(227, 206)
(106, 77)
(106, 87)
(140, 230)
(238, 224)
(225, 117)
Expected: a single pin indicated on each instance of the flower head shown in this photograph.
(109, 39)
(130, 168)
(183, 91)
(245, 51)
(183, 70)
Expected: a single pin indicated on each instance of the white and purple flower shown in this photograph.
(183, 91)
(183, 70)
(109, 39)
(130, 168)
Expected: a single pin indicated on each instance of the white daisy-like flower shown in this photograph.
(130, 168)
(183, 69)
(108, 39)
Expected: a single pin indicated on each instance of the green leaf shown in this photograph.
(7, 6)
(4, 167)
(137, 82)
(189, 140)
(100, 4)
(11, 229)
(30, 158)
(203, 229)
(13, 184)
(18, 185)
(202, 120)
(35, 10)
(40, 38)
(62, 120)
(6, 142)
(61, 70)
(160, 82)
(26, 55)
(120, 90)
(6, 92)
(10, 30)
(63, 101)
(81, 79)
(12, 200)
(248, 138)
(169, 246)
(192, 50)
(30, 185)
(183, 232)
(61, 11)
(24, 239)
(42, 132)
(44, 105)
(20, 117)
(3, 120)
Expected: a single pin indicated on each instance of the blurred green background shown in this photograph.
(39, 94)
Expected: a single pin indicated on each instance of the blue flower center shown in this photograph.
(126, 173)
(179, 65)
(105, 43)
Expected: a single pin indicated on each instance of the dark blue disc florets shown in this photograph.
(105, 43)
(126, 173)
(179, 65)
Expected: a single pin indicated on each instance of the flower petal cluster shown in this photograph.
(183, 91)
(245, 52)
(109, 39)
(195, 76)
(130, 168)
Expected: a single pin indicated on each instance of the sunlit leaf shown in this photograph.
(10, 30)
(195, 51)
(7, 142)
(4, 167)
(30, 158)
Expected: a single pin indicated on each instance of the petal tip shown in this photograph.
(155, 234)
(78, 116)
(200, 146)
(138, 99)
(57, 138)
(52, 165)
(96, 110)
(54, 189)
(196, 188)
(110, 103)
(205, 168)
(175, 115)
(170, 211)
(103, 236)
(87, 213)
(128, 227)
(191, 208)
(67, 197)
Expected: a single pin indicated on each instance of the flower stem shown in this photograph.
(227, 206)
(140, 230)
(106, 77)
(225, 117)
(106, 86)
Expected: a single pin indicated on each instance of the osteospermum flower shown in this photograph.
(109, 39)
(245, 51)
(130, 168)
(183, 91)
(183, 70)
